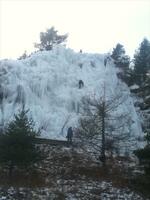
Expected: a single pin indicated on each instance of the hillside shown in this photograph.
(47, 83)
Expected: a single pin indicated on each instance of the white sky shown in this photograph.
(92, 25)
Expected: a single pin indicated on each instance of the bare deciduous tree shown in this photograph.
(100, 127)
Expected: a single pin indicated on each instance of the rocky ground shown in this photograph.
(76, 190)
(67, 174)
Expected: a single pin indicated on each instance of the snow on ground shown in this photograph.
(47, 83)
(133, 87)
(74, 191)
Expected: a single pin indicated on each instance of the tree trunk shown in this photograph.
(103, 156)
(11, 166)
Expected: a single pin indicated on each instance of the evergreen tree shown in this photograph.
(142, 62)
(144, 155)
(122, 61)
(17, 146)
(49, 39)
(118, 51)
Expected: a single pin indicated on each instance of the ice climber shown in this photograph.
(105, 62)
(81, 84)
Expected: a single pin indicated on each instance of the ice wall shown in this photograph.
(47, 83)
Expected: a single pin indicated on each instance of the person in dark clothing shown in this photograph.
(70, 134)
(105, 62)
(80, 65)
(81, 84)
(107, 59)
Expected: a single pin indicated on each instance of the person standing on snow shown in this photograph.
(69, 134)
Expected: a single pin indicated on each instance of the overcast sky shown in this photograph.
(92, 25)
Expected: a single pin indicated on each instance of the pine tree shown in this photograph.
(17, 146)
(50, 38)
(118, 51)
(144, 155)
(122, 61)
(142, 62)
